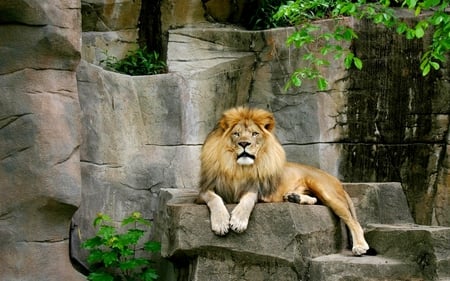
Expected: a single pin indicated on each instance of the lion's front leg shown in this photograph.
(220, 218)
(241, 213)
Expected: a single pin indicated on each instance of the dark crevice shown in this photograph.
(108, 165)
(10, 154)
(4, 122)
(74, 151)
(150, 33)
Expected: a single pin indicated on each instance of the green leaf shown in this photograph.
(149, 275)
(322, 84)
(152, 246)
(410, 34)
(427, 4)
(296, 81)
(411, 3)
(358, 63)
(101, 218)
(426, 70)
(348, 60)
(417, 11)
(436, 19)
(100, 276)
(435, 65)
(95, 256)
(92, 243)
(133, 263)
(131, 237)
(106, 232)
(110, 258)
(402, 27)
(419, 32)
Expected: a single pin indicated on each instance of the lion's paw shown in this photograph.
(359, 250)
(220, 223)
(239, 220)
(299, 198)
(238, 225)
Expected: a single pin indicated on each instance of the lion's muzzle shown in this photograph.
(245, 158)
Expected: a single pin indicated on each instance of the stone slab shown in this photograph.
(340, 267)
(427, 247)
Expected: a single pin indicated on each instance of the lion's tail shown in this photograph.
(351, 206)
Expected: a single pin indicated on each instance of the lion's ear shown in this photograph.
(269, 123)
(231, 117)
(265, 119)
(223, 124)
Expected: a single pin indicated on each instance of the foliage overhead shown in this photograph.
(430, 15)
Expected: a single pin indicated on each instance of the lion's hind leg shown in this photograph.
(343, 207)
(299, 198)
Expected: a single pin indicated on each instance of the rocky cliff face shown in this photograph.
(40, 179)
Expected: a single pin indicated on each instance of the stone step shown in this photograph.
(287, 241)
(425, 246)
(344, 266)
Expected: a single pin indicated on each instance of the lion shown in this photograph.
(243, 162)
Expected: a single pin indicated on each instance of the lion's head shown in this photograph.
(242, 153)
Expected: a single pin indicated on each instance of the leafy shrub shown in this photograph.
(308, 9)
(137, 62)
(113, 255)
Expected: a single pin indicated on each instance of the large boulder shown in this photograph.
(40, 178)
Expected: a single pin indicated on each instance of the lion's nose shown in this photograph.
(244, 144)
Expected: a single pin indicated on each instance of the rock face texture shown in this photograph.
(286, 241)
(40, 178)
(400, 120)
(109, 26)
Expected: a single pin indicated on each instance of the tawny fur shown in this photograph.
(243, 162)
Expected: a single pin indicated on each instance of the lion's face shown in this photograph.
(242, 154)
(247, 131)
(247, 139)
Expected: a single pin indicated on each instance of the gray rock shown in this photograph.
(286, 241)
(426, 247)
(341, 267)
(40, 179)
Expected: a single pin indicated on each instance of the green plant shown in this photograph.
(113, 255)
(137, 62)
(262, 18)
(303, 13)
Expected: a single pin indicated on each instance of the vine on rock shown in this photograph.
(431, 14)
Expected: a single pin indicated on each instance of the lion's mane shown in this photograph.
(221, 173)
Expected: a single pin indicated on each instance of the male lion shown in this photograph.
(243, 162)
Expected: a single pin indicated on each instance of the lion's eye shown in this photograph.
(255, 134)
(236, 134)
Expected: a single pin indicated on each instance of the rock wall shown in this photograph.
(398, 122)
(40, 179)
